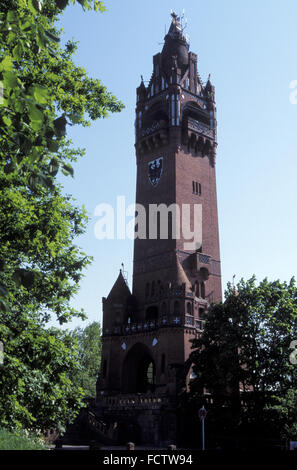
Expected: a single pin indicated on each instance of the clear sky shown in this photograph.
(250, 50)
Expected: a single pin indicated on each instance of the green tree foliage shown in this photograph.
(282, 413)
(43, 92)
(40, 265)
(242, 357)
(36, 391)
(89, 348)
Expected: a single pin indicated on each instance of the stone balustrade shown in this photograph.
(175, 320)
(134, 401)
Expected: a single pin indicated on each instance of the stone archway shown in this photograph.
(139, 370)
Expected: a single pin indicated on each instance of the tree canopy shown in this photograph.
(243, 358)
(89, 357)
(40, 264)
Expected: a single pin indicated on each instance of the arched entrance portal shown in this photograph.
(139, 370)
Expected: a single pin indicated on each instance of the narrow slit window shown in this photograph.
(163, 364)
(196, 188)
(172, 110)
(153, 289)
(139, 120)
(202, 290)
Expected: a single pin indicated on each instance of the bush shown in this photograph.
(21, 440)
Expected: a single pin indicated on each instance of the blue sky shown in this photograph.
(250, 50)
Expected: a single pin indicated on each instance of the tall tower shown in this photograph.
(176, 275)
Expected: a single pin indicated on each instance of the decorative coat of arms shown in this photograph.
(155, 169)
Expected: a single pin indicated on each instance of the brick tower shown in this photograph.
(146, 332)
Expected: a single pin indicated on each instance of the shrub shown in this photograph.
(21, 439)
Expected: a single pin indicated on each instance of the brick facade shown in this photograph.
(147, 332)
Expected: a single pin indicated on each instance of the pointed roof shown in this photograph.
(120, 290)
(176, 30)
(208, 79)
(178, 274)
(141, 89)
(176, 45)
(208, 84)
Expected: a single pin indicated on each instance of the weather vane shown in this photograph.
(181, 22)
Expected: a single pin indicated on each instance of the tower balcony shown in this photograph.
(165, 321)
(152, 137)
(169, 292)
(200, 137)
(203, 264)
(199, 127)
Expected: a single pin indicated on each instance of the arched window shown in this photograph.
(202, 290)
(153, 289)
(173, 109)
(189, 308)
(176, 308)
(118, 316)
(201, 313)
(197, 290)
(163, 364)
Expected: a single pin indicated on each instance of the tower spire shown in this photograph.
(177, 28)
(176, 46)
